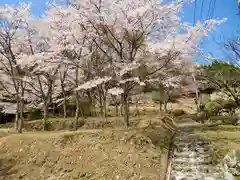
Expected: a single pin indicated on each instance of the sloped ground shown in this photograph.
(198, 151)
(224, 139)
(93, 154)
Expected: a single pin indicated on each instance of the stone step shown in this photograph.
(182, 143)
(193, 176)
(191, 161)
(195, 168)
(185, 136)
(188, 137)
(190, 154)
(190, 148)
(194, 146)
(196, 149)
(189, 143)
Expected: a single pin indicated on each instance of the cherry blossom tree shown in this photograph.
(42, 76)
(132, 33)
(95, 48)
(14, 20)
(82, 54)
(63, 70)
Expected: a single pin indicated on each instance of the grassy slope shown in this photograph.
(223, 138)
(112, 153)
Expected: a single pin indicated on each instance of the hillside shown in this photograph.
(112, 153)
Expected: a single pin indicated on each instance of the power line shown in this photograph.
(195, 9)
(209, 9)
(214, 5)
(202, 10)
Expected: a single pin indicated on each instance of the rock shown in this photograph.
(83, 174)
(231, 161)
(202, 116)
(238, 166)
(218, 96)
(234, 171)
(21, 176)
(229, 176)
(224, 114)
(238, 122)
(186, 154)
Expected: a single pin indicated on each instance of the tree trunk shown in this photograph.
(137, 110)
(121, 110)
(91, 103)
(114, 98)
(116, 109)
(21, 116)
(197, 100)
(165, 106)
(21, 109)
(101, 105)
(126, 110)
(197, 105)
(17, 114)
(77, 111)
(237, 101)
(64, 106)
(121, 106)
(45, 113)
(94, 113)
(160, 106)
(54, 109)
(105, 111)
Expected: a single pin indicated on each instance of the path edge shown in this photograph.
(169, 156)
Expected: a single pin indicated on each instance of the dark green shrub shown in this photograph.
(72, 125)
(212, 108)
(1, 117)
(159, 96)
(149, 88)
(50, 126)
(173, 98)
(85, 108)
(156, 96)
(229, 105)
(188, 116)
(219, 101)
(202, 116)
(225, 119)
(178, 112)
(35, 114)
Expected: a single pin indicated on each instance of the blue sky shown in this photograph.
(38, 6)
(223, 8)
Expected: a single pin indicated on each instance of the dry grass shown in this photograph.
(99, 150)
(149, 107)
(111, 153)
(186, 104)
